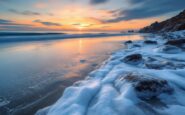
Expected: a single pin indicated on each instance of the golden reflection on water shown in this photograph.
(85, 44)
(26, 64)
(90, 49)
(82, 44)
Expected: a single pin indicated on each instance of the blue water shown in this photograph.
(26, 67)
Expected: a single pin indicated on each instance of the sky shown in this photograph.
(84, 15)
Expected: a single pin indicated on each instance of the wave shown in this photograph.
(18, 37)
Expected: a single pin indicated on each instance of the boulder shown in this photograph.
(133, 59)
(147, 87)
(128, 42)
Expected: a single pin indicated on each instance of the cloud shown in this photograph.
(26, 12)
(105, 26)
(47, 23)
(83, 25)
(8, 25)
(94, 2)
(5, 22)
(148, 8)
(29, 13)
(13, 26)
(50, 14)
(22, 28)
(11, 23)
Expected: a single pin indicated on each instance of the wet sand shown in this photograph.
(40, 71)
(48, 95)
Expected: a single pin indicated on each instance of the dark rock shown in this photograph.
(150, 42)
(94, 65)
(133, 59)
(130, 31)
(147, 86)
(152, 88)
(176, 42)
(83, 61)
(128, 42)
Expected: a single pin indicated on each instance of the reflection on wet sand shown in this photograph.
(43, 67)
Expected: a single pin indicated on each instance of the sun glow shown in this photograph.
(79, 28)
(76, 17)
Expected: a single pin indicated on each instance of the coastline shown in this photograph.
(124, 78)
(92, 57)
(47, 36)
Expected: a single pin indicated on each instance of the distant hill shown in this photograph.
(173, 24)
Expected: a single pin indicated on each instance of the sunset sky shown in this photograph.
(84, 15)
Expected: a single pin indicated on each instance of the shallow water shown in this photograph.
(28, 66)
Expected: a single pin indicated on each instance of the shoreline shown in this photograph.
(12, 39)
(135, 75)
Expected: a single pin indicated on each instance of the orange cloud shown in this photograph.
(85, 18)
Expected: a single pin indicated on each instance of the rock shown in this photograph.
(147, 87)
(176, 42)
(170, 49)
(94, 65)
(128, 42)
(83, 61)
(133, 59)
(175, 23)
(164, 65)
(150, 42)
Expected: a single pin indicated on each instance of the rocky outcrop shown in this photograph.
(173, 24)
(147, 87)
